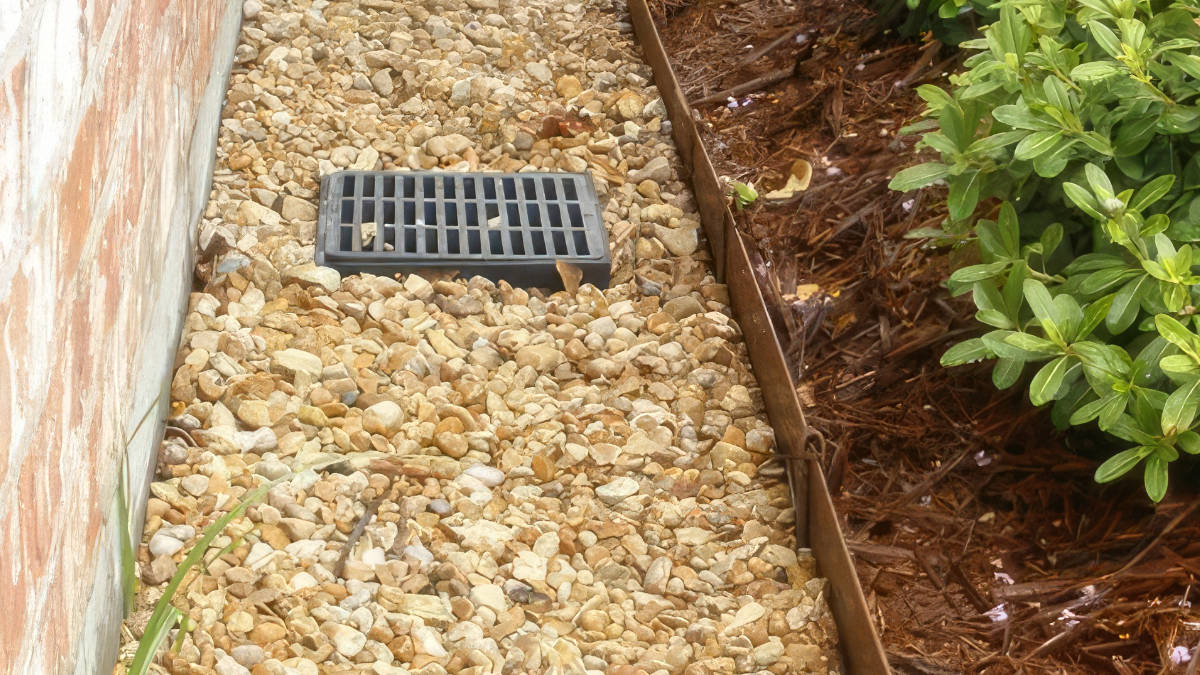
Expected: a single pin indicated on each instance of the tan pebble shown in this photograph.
(453, 445)
(543, 467)
(568, 86)
(240, 622)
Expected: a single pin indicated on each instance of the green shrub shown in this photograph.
(948, 21)
(1069, 147)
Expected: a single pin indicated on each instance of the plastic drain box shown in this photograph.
(510, 226)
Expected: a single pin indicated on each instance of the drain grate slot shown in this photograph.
(499, 226)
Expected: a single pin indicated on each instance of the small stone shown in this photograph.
(539, 71)
(227, 665)
(682, 307)
(657, 575)
(657, 169)
(452, 444)
(254, 414)
(484, 535)
(382, 82)
(159, 571)
(195, 485)
(491, 596)
(617, 490)
(428, 641)
(240, 622)
(568, 86)
(529, 566)
(541, 357)
(347, 641)
(266, 633)
(297, 361)
(294, 208)
(248, 655)
(430, 608)
(693, 536)
(309, 274)
(161, 544)
(748, 614)
(383, 418)
(272, 469)
(367, 160)
(452, 144)
(679, 241)
(628, 106)
(594, 620)
(768, 652)
(253, 214)
(488, 475)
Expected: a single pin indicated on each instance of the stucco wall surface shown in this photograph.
(108, 115)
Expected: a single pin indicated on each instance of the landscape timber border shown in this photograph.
(816, 521)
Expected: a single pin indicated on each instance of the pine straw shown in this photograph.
(949, 490)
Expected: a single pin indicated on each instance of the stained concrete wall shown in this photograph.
(108, 118)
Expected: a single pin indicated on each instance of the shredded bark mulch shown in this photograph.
(980, 538)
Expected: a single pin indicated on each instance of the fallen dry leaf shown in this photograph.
(798, 179)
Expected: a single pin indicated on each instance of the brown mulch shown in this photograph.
(982, 542)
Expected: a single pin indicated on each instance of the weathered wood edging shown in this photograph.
(816, 522)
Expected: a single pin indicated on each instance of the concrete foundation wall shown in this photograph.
(108, 118)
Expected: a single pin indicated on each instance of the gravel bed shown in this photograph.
(473, 478)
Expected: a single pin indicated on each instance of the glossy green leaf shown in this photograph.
(1040, 301)
(1048, 380)
(1151, 192)
(1099, 182)
(1179, 364)
(1175, 333)
(1032, 343)
(1093, 316)
(1189, 442)
(1180, 408)
(1096, 70)
(967, 351)
(964, 194)
(1155, 478)
(973, 273)
(919, 176)
(1126, 303)
(1006, 372)
(1106, 38)
(1019, 117)
(1083, 199)
(1119, 464)
(1036, 144)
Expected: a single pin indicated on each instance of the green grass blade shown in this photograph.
(152, 639)
(128, 557)
(165, 614)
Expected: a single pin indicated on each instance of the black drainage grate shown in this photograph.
(510, 226)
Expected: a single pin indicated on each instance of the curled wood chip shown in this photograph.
(797, 182)
(571, 275)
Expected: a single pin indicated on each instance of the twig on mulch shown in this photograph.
(746, 87)
(768, 48)
(1150, 547)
